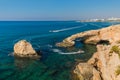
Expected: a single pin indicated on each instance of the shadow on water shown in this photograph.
(28, 69)
(22, 63)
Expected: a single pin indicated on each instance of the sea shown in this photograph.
(55, 63)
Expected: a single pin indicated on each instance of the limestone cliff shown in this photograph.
(110, 34)
(24, 49)
(105, 63)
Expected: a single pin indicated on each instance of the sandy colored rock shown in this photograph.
(104, 62)
(87, 72)
(110, 34)
(24, 49)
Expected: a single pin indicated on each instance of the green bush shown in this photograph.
(115, 49)
(118, 71)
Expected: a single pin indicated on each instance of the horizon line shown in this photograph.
(39, 20)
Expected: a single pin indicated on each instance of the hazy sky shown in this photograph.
(58, 9)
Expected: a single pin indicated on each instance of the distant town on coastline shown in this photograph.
(100, 20)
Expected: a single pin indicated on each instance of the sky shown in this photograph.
(58, 9)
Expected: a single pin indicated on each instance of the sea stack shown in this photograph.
(25, 49)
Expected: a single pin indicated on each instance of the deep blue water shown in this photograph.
(52, 65)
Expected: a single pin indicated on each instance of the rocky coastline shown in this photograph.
(105, 62)
(108, 35)
(103, 65)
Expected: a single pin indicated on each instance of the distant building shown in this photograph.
(101, 20)
(113, 19)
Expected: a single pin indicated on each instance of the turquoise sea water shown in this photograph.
(53, 65)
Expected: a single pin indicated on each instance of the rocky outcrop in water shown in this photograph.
(110, 34)
(25, 49)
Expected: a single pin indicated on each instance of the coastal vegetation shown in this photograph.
(115, 49)
(118, 71)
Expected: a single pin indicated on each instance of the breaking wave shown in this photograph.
(60, 52)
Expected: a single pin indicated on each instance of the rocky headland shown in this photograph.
(25, 49)
(105, 63)
(110, 34)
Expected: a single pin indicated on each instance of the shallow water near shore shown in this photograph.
(43, 35)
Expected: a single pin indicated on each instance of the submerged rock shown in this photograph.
(105, 35)
(25, 49)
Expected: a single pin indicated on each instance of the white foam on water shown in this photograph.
(11, 54)
(66, 29)
(37, 46)
(60, 52)
(49, 46)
